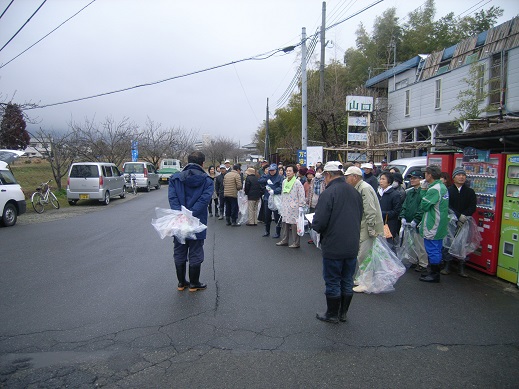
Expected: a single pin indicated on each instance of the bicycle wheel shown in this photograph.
(53, 200)
(37, 202)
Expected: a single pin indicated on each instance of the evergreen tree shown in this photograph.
(12, 129)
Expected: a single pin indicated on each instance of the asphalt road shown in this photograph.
(91, 301)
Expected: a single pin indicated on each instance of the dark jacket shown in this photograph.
(463, 201)
(337, 218)
(193, 189)
(218, 184)
(390, 205)
(372, 180)
(252, 187)
(276, 186)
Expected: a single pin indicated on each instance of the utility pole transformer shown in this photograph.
(323, 48)
(304, 131)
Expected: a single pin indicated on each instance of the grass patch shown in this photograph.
(30, 173)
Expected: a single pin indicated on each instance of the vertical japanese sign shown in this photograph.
(301, 157)
(135, 150)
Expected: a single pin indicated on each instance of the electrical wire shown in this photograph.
(6, 8)
(20, 29)
(468, 10)
(34, 44)
(245, 93)
(259, 57)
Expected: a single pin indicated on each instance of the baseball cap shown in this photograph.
(333, 166)
(227, 161)
(222, 166)
(366, 166)
(416, 173)
(384, 161)
(273, 167)
(353, 170)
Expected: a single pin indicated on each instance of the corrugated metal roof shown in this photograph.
(409, 64)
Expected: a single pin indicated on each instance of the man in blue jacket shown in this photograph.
(337, 218)
(192, 188)
(272, 182)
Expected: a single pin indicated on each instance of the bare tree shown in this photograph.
(219, 149)
(57, 148)
(109, 142)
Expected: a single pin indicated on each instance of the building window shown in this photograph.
(402, 84)
(497, 79)
(438, 95)
(407, 102)
(481, 81)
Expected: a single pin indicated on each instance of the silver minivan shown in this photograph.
(145, 173)
(94, 181)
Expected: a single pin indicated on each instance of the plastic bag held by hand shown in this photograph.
(381, 269)
(179, 224)
(466, 240)
(301, 222)
(243, 206)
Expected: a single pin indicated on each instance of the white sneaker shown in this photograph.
(359, 289)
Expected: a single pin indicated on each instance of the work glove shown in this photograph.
(371, 232)
(271, 192)
(413, 224)
(269, 181)
(404, 222)
(424, 184)
(462, 218)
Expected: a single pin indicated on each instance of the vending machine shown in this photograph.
(444, 161)
(485, 174)
(508, 262)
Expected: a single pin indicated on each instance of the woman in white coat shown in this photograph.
(292, 200)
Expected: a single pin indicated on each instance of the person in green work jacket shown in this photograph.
(411, 216)
(435, 207)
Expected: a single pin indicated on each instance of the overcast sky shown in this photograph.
(116, 44)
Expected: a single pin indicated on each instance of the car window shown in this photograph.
(84, 171)
(134, 168)
(7, 178)
(399, 167)
(116, 171)
(107, 171)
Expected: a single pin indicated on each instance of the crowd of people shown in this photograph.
(373, 202)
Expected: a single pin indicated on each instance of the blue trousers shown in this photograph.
(192, 251)
(231, 208)
(338, 276)
(434, 250)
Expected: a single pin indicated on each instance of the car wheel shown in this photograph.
(158, 185)
(106, 200)
(72, 202)
(148, 187)
(9, 215)
(123, 193)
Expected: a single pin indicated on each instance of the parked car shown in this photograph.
(406, 165)
(94, 181)
(145, 173)
(169, 167)
(12, 199)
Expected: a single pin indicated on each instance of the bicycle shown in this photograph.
(131, 181)
(42, 196)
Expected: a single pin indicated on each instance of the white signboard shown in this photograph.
(357, 157)
(359, 121)
(357, 137)
(314, 154)
(359, 104)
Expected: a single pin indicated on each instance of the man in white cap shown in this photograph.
(369, 177)
(227, 164)
(338, 204)
(372, 223)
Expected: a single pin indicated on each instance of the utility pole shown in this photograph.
(304, 131)
(323, 48)
(267, 141)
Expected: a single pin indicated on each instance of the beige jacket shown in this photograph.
(372, 214)
(231, 184)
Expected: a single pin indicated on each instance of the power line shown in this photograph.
(6, 8)
(259, 57)
(34, 44)
(20, 29)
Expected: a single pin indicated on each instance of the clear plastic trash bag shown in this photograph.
(243, 206)
(407, 251)
(179, 224)
(274, 202)
(301, 222)
(452, 228)
(381, 269)
(467, 240)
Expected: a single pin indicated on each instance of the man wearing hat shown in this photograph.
(340, 203)
(218, 188)
(411, 216)
(227, 164)
(272, 182)
(369, 177)
(372, 223)
(463, 201)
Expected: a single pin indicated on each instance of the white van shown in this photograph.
(12, 199)
(407, 165)
(94, 181)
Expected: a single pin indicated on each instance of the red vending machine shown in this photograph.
(485, 174)
(444, 161)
